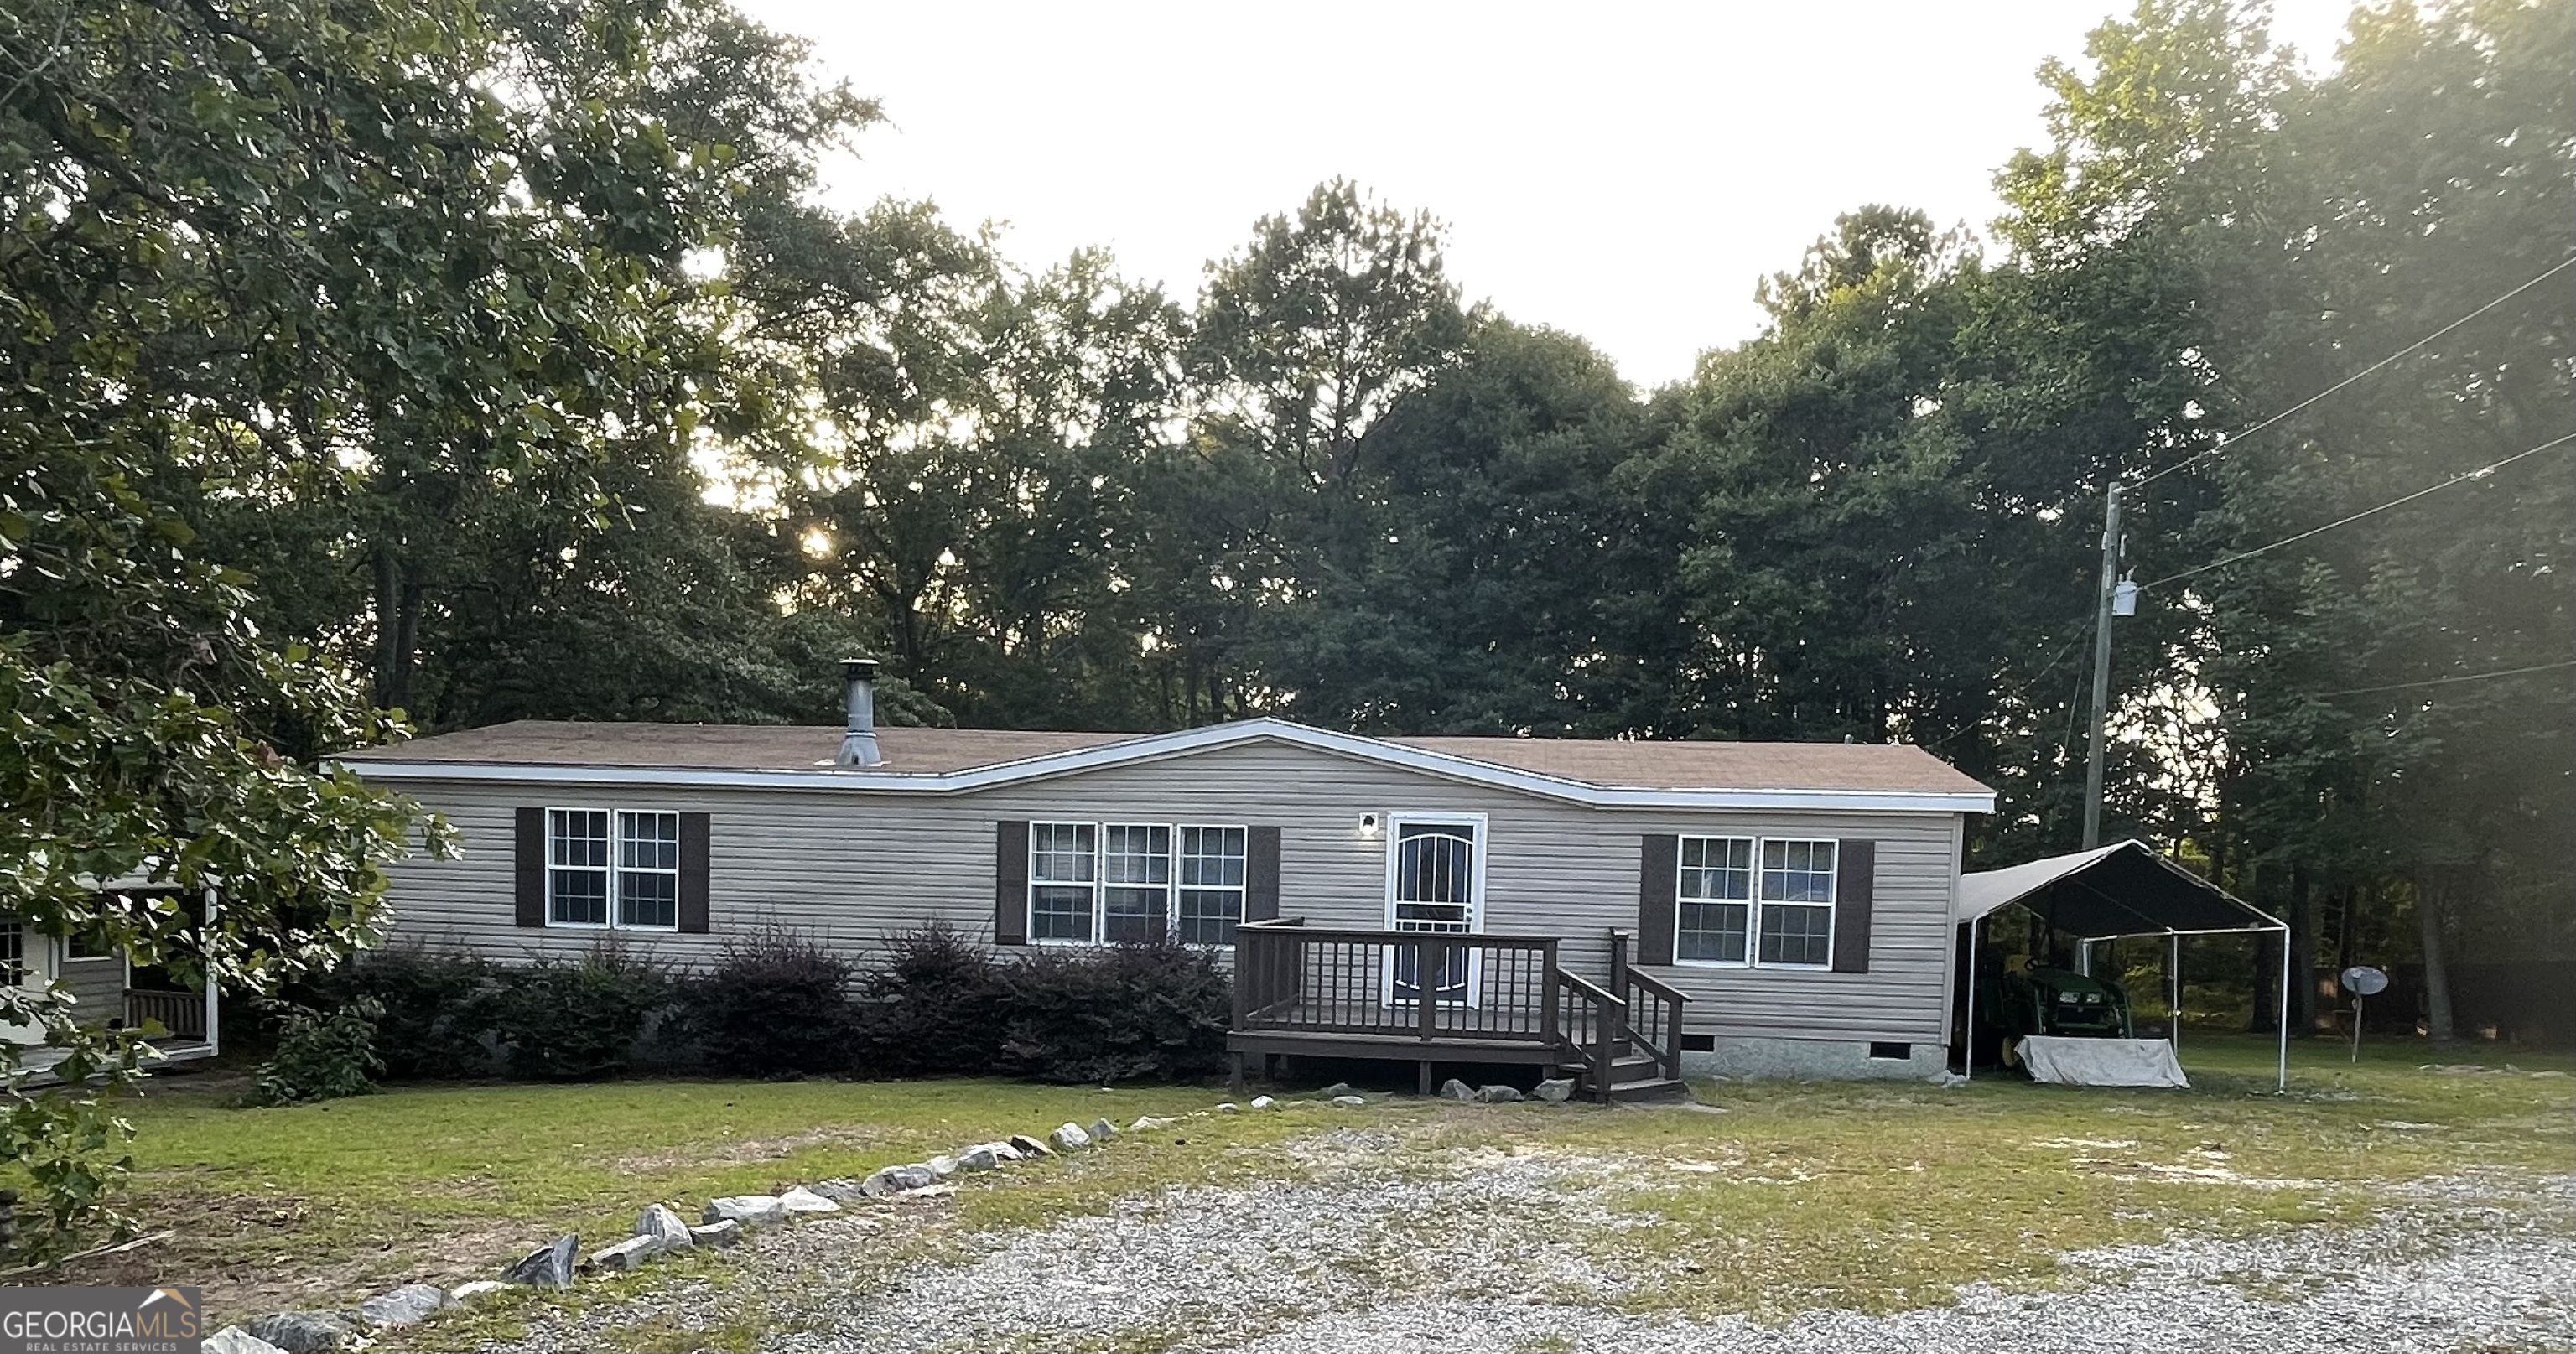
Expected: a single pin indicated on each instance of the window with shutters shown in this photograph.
(615, 869)
(1797, 895)
(1713, 917)
(1107, 883)
(1755, 901)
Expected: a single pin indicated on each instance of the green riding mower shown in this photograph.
(2035, 1000)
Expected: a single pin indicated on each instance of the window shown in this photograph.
(1103, 883)
(88, 943)
(637, 886)
(1063, 877)
(1797, 889)
(577, 867)
(1716, 900)
(1211, 885)
(13, 954)
(1136, 882)
(648, 869)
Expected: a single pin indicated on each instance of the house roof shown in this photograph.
(1607, 772)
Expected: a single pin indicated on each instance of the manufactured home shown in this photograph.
(1629, 910)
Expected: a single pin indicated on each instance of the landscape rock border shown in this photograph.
(661, 1229)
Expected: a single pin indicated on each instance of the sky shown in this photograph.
(1626, 172)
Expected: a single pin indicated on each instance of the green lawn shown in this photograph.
(1800, 1194)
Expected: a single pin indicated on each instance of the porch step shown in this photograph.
(1633, 1067)
(1651, 1088)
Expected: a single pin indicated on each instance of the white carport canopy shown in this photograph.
(2113, 892)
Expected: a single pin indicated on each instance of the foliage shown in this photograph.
(322, 1054)
(933, 1005)
(75, 1149)
(428, 1004)
(1143, 1012)
(776, 1004)
(573, 1019)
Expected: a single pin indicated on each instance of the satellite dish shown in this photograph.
(2362, 980)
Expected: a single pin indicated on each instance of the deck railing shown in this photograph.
(1291, 977)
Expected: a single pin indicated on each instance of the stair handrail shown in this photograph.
(1669, 1001)
(1609, 1014)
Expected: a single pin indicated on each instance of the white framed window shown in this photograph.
(1713, 916)
(1212, 865)
(1064, 881)
(13, 954)
(613, 869)
(1103, 883)
(1765, 902)
(648, 870)
(1797, 895)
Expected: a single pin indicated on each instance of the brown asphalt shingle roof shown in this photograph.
(1639, 764)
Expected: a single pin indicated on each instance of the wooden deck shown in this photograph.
(1339, 993)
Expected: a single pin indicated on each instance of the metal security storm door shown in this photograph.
(1433, 884)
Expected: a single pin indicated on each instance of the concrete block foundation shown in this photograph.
(1746, 1059)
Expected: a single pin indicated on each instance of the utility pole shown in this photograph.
(2102, 667)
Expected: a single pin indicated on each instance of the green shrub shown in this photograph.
(572, 1020)
(776, 1005)
(934, 1006)
(322, 1055)
(432, 1024)
(1152, 1012)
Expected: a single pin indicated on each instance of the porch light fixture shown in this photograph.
(1370, 825)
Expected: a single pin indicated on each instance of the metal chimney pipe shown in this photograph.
(859, 745)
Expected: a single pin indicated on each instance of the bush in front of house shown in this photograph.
(933, 1006)
(573, 1019)
(430, 1024)
(777, 1004)
(322, 1054)
(1142, 1012)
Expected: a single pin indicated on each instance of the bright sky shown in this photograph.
(1625, 172)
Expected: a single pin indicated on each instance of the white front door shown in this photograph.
(1434, 882)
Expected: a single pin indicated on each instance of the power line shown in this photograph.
(2562, 266)
(2445, 681)
(2479, 473)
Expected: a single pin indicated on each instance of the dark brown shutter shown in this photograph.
(1855, 876)
(1658, 886)
(528, 876)
(1261, 874)
(693, 873)
(1011, 883)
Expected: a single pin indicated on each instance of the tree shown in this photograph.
(251, 261)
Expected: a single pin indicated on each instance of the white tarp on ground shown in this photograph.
(2101, 1062)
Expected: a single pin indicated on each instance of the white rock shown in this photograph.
(1263, 1102)
(1102, 1130)
(719, 1235)
(981, 1157)
(1149, 1122)
(1349, 1101)
(1454, 1089)
(1031, 1148)
(1069, 1138)
(235, 1340)
(1497, 1095)
(1555, 1090)
(479, 1288)
(751, 1210)
(1003, 1151)
(943, 1166)
(801, 1200)
(627, 1254)
(1228, 1107)
(665, 1225)
(894, 1180)
(408, 1305)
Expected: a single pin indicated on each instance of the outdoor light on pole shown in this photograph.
(2119, 597)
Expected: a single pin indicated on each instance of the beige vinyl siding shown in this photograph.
(851, 867)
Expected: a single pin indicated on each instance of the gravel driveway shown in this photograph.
(1486, 1256)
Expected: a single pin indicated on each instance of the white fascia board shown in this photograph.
(1156, 747)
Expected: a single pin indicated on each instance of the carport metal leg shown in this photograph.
(2173, 1015)
(1422, 1079)
(1968, 1041)
(2285, 1010)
